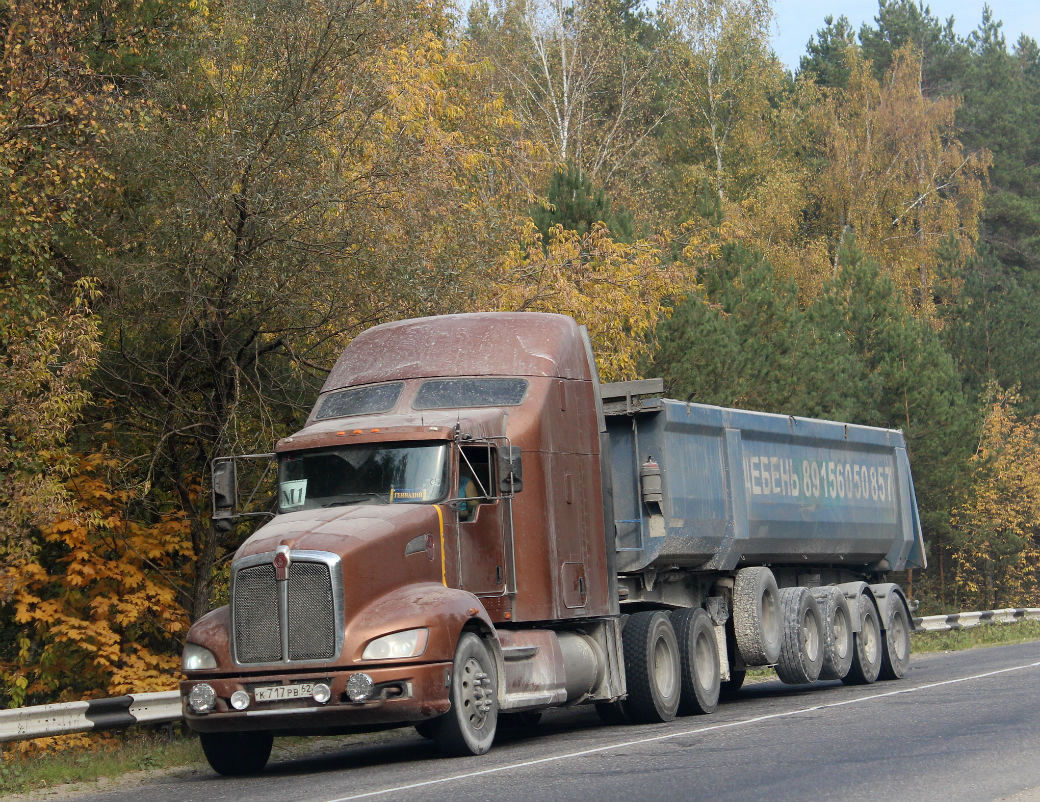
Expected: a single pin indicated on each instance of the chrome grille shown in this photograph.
(312, 633)
(295, 620)
(257, 627)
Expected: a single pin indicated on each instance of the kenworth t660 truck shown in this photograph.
(471, 526)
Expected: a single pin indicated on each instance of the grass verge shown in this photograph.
(114, 756)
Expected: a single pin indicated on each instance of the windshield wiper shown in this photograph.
(354, 498)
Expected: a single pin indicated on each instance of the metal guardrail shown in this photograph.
(944, 623)
(22, 723)
(165, 707)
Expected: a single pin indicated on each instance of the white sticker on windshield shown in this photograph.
(294, 493)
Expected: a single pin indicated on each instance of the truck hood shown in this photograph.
(342, 530)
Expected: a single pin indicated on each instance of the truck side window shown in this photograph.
(475, 479)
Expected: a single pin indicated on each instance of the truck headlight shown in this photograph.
(196, 658)
(410, 643)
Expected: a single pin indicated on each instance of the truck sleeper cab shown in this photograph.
(459, 537)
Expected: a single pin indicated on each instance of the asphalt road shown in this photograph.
(959, 726)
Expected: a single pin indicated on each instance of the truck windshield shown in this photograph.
(384, 473)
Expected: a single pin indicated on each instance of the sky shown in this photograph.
(797, 20)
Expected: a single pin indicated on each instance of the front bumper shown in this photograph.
(401, 695)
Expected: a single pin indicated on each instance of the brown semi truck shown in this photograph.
(470, 525)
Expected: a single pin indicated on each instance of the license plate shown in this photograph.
(275, 693)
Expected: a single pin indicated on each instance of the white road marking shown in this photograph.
(678, 734)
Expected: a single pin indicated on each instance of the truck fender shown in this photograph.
(887, 593)
(853, 591)
(446, 612)
(212, 632)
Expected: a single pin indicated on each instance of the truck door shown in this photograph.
(482, 520)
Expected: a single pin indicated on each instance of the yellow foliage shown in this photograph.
(618, 291)
(998, 552)
(103, 615)
(893, 172)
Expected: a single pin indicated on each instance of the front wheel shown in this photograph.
(469, 727)
(236, 754)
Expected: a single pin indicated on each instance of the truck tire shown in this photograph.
(895, 656)
(866, 653)
(801, 650)
(469, 727)
(756, 616)
(837, 632)
(236, 754)
(698, 661)
(652, 667)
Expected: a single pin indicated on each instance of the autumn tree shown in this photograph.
(305, 169)
(893, 173)
(998, 551)
(578, 75)
(50, 124)
(619, 291)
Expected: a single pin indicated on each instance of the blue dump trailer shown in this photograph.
(776, 533)
(739, 487)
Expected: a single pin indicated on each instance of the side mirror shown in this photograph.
(510, 470)
(225, 488)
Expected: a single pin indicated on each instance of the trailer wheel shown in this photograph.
(895, 656)
(837, 632)
(651, 667)
(698, 661)
(469, 727)
(756, 616)
(236, 754)
(801, 650)
(866, 654)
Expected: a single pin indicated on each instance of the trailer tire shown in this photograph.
(756, 616)
(652, 667)
(801, 650)
(469, 727)
(837, 632)
(236, 754)
(895, 656)
(698, 661)
(867, 650)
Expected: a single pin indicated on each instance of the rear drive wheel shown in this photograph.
(866, 654)
(651, 667)
(235, 754)
(895, 657)
(698, 661)
(469, 727)
(801, 652)
(756, 616)
(837, 632)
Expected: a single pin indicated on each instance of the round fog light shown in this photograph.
(359, 687)
(322, 693)
(202, 698)
(240, 700)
